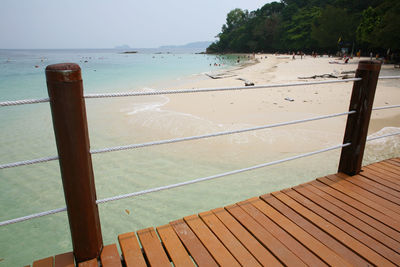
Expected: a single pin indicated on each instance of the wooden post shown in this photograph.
(64, 84)
(362, 99)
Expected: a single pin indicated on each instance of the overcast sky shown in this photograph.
(110, 23)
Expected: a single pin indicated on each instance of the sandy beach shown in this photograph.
(264, 106)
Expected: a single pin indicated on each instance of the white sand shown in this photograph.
(263, 106)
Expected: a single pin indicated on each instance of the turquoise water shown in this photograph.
(26, 133)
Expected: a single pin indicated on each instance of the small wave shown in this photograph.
(384, 148)
(147, 106)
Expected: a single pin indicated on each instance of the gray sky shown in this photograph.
(108, 23)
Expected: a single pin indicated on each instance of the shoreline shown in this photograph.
(269, 105)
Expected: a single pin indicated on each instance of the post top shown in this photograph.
(374, 65)
(63, 72)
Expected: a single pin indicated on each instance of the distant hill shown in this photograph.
(195, 45)
(122, 47)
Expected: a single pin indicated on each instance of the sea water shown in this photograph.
(27, 133)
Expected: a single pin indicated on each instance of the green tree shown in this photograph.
(311, 25)
(369, 21)
(387, 32)
(298, 30)
(333, 25)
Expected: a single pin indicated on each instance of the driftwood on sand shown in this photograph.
(220, 75)
(246, 82)
(342, 75)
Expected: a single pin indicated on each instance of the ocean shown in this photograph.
(27, 133)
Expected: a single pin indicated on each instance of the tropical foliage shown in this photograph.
(312, 25)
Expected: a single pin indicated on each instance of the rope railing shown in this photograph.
(388, 77)
(176, 140)
(203, 90)
(23, 102)
(147, 191)
(190, 138)
(185, 91)
(161, 188)
(76, 171)
(27, 162)
(386, 107)
(182, 91)
(382, 136)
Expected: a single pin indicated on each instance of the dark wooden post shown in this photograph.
(362, 99)
(64, 84)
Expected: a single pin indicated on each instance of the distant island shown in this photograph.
(193, 47)
(129, 52)
(122, 47)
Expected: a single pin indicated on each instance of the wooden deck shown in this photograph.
(335, 220)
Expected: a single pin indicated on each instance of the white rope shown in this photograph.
(202, 90)
(161, 188)
(386, 107)
(382, 136)
(388, 77)
(27, 162)
(104, 200)
(170, 141)
(183, 91)
(32, 216)
(23, 102)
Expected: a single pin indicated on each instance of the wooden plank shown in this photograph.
(131, 251)
(89, 263)
(355, 203)
(295, 246)
(375, 198)
(302, 236)
(174, 247)
(365, 182)
(358, 197)
(109, 256)
(279, 250)
(152, 247)
(334, 231)
(219, 252)
(383, 174)
(241, 254)
(387, 171)
(196, 249)
(316, 232)
(350, 219)
(46, 262)
(350, 209)
(393, 162)
(395, 159)
(374, 245)
(256, 249)
(377, 189)
(65, 260)
(388, 167)
(376, 178)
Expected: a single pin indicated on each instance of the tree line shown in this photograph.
(312, 25)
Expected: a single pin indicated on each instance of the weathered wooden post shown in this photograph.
(68, 110)
(362, 99)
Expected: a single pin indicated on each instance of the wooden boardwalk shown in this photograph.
(336, 220)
